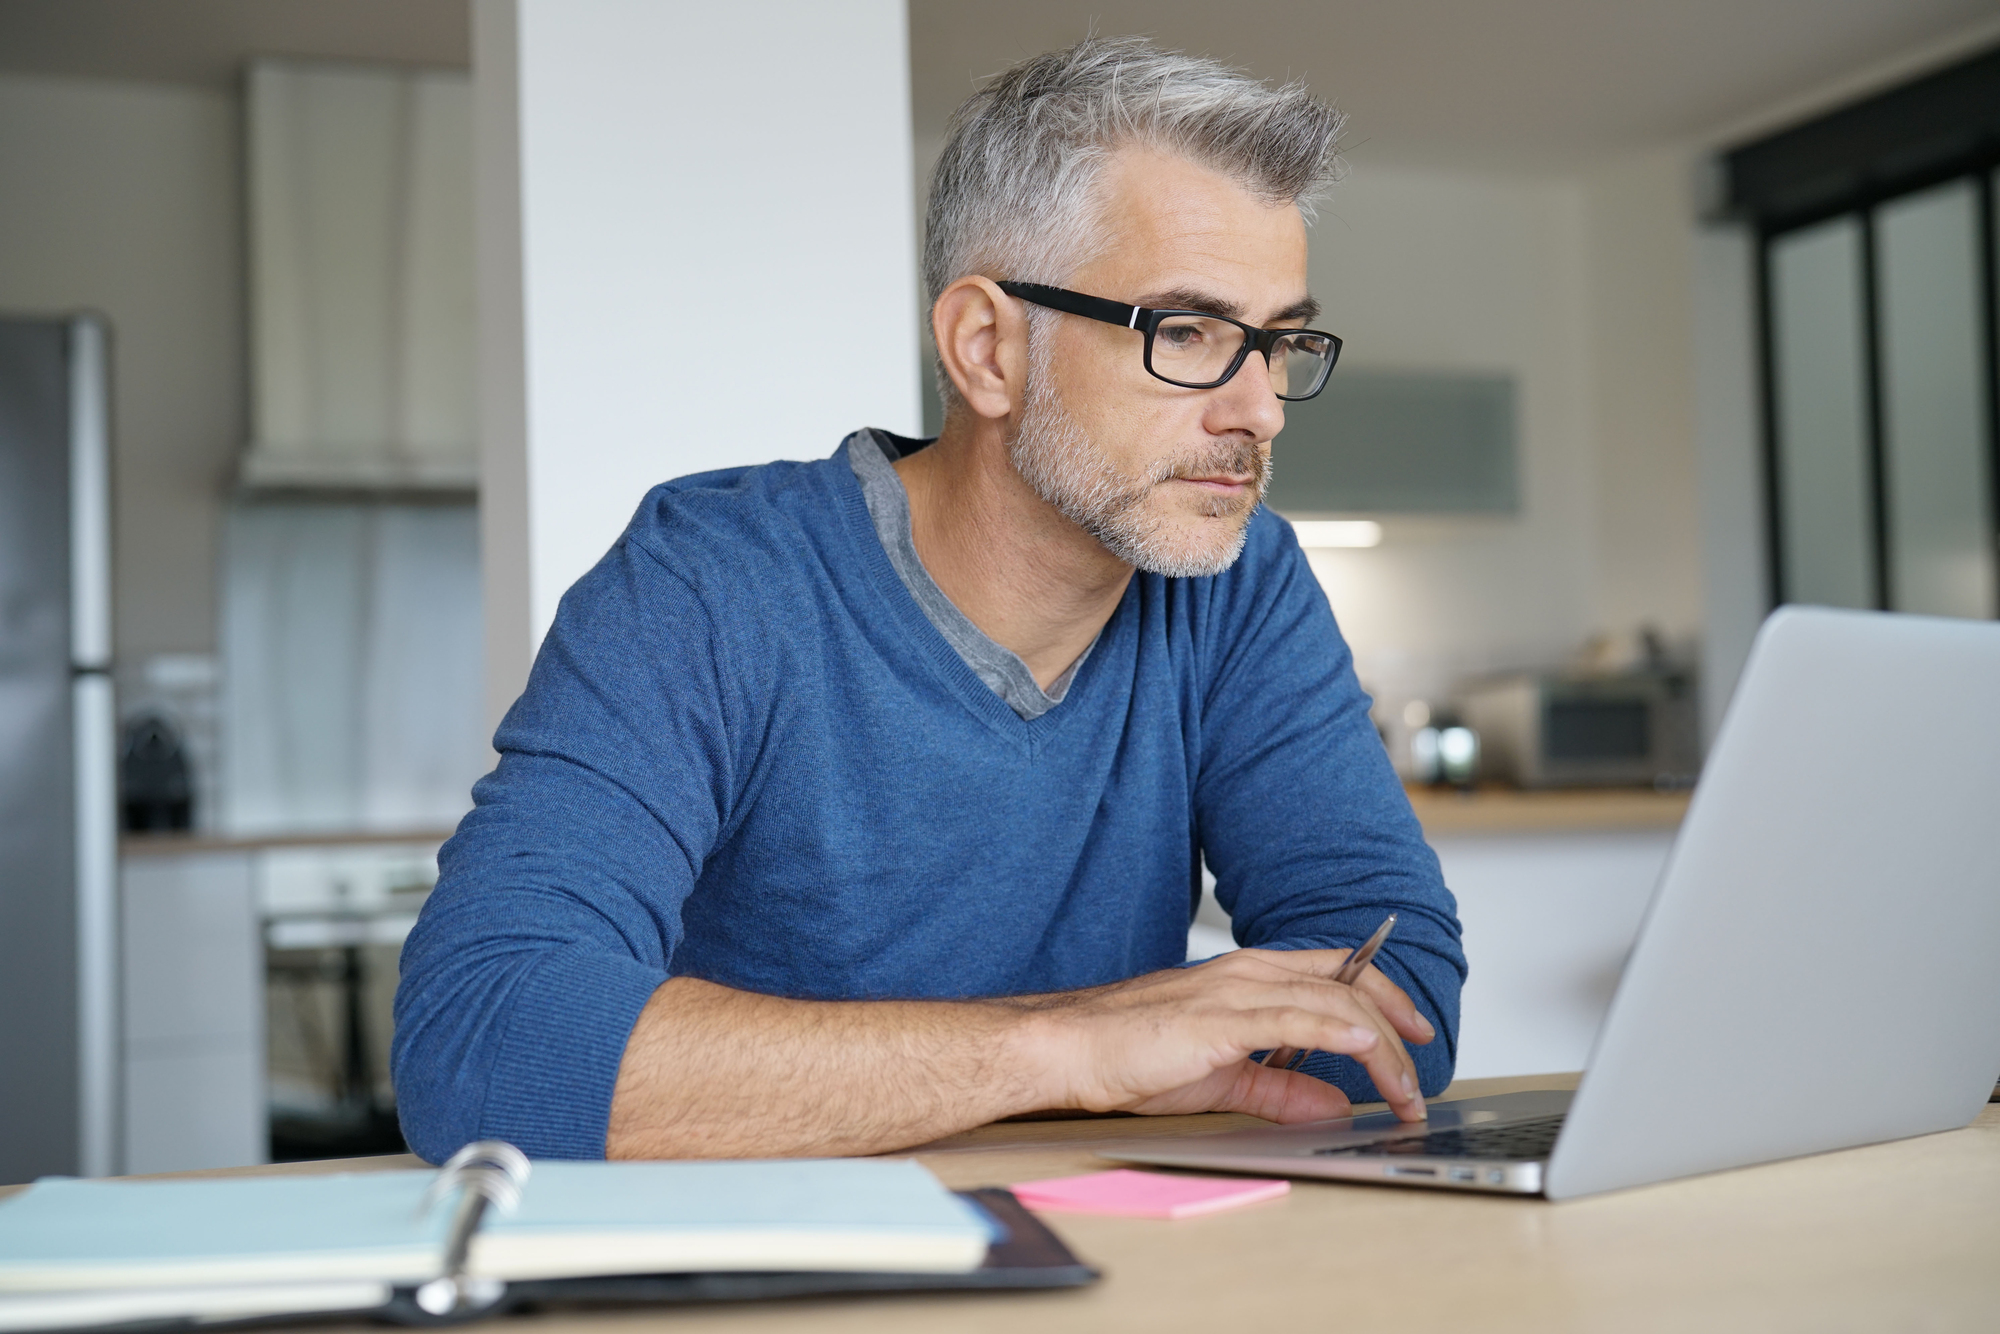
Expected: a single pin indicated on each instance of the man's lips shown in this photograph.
(1225, 483)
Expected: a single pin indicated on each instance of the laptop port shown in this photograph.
(1464, 1174)
(1496, 1176)
(1402, 1171)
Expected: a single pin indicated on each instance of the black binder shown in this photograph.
(1028, 1256)
(1031, 1256)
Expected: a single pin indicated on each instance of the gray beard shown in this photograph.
(1055, 457)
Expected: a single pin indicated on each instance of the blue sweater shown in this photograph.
(745, 755)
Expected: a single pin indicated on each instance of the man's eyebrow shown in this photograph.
(1306, 309)
(1188, 298)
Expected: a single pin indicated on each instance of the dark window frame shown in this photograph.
(1941, 128)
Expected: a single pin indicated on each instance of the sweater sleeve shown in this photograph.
(1298, 812)
(558, 903)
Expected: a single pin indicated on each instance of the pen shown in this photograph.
(1350, 971)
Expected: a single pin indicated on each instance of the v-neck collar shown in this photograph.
(978, 697)
(872, 454)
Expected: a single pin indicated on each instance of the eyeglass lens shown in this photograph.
(1197, 350)
(1299, 364)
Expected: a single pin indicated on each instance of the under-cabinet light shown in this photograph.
(1338, 532)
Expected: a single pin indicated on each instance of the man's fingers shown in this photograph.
(1253, 1000)
(1372, 1042)
(1400, 1010)
(1310, 1015)
(1245, 1087)
(1292, 1023)
(1396, 1006)
(1388, 1063)
(1351, 1025)
(1284, 1096)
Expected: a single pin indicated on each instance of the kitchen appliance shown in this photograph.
(1556, 730)
(58, 756)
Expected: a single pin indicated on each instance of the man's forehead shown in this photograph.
(1185, 236)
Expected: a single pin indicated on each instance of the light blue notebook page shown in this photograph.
(69, 1234)
(682, 1217)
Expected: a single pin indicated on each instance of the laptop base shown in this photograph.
(1469, 1135)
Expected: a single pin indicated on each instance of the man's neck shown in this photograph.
(1028, 577)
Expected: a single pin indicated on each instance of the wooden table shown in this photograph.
(1893, 1236)
(1445, 812)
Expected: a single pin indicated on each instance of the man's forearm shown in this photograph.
(712, 1072)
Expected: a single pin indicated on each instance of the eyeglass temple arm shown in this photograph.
(1076, 303)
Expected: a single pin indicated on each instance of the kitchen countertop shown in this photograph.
(1443, 811)
(1506, 810)
(183, 844)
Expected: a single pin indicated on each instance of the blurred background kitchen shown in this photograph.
(336, 339)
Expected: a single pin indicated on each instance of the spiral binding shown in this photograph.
(489, 1173)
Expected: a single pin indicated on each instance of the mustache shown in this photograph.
(1243, 460)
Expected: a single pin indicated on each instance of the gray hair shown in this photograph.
(1015, 193)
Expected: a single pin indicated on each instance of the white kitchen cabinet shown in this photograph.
(193, 1013)
(195, 918)
(1548, 919)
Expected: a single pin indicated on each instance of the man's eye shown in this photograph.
(1181, 335)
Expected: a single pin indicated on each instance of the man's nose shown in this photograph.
(1248, 402)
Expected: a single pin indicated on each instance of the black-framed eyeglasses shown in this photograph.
(1198, 350)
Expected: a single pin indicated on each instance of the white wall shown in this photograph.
(1581, 289)
(697, 251)
(1736, 584)
(1639, 277)
(1437, 271)
(123, 197)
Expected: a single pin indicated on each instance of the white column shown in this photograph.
(1736, 590)
(697, 250)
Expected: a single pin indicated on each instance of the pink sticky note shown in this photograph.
(1132, 1194)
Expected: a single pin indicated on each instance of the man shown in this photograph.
(857, 802)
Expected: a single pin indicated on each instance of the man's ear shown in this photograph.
(982, 339)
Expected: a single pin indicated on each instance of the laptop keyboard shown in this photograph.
(1518, 1140)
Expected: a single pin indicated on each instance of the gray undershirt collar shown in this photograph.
(998, 666)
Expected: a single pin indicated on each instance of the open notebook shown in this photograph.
(99, 1253)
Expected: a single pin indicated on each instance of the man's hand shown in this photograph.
(1180, 1040)
(712, 1072)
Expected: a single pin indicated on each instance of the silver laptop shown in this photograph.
(1820, 963)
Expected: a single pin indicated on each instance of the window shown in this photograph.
(1877, 290)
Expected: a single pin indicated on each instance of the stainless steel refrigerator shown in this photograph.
(59, 1041)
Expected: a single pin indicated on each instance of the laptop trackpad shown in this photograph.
(1312, 1136)
(1493, 1110)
